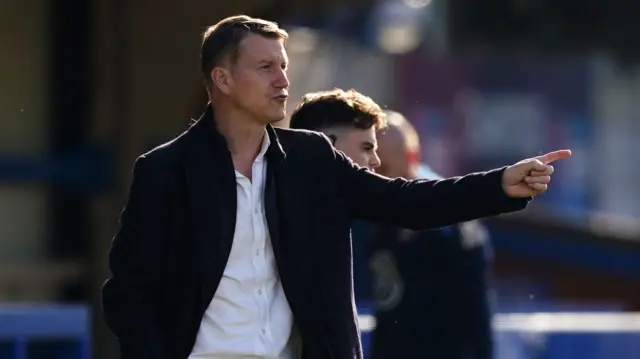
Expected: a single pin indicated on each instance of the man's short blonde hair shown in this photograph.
(221, 41)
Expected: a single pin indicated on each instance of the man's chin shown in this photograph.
(276, 117)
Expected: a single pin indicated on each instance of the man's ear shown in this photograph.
(221, 79)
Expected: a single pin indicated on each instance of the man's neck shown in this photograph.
(244, 138)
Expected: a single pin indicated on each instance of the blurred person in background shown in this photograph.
(430, 287)
(235, 238)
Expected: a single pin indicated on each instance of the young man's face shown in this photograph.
(360, 145)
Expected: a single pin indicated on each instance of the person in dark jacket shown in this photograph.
(430, 287)
(235, 239)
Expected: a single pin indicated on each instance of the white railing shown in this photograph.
(551, 322)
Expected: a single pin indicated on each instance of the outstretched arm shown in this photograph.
(424, 204)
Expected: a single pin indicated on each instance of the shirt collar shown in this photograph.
(265, 146)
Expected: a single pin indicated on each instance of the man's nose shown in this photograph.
(282, 80)
(375, 161)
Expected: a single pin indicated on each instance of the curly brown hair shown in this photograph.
(338, 108)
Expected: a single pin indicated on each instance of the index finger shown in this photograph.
(554, 156)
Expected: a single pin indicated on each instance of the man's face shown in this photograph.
(258, 82)
(359, 145)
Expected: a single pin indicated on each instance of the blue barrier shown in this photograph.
(45, 332)
(603, 345)
(86, 170)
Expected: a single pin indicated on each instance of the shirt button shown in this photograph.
(258, 252)
(263, 331)
(259, 291)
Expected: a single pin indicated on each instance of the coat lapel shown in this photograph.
(275, 158)
(211, 186)
(286, 207)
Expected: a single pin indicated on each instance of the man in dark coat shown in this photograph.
(234, 241)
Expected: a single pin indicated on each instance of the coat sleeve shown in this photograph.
(420, 204)
(129, 296)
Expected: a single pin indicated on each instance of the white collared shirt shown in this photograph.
(249, 316)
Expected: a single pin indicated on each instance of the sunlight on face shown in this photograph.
(259, 83)
(359, 145)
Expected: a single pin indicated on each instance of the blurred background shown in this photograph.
(86, 86)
